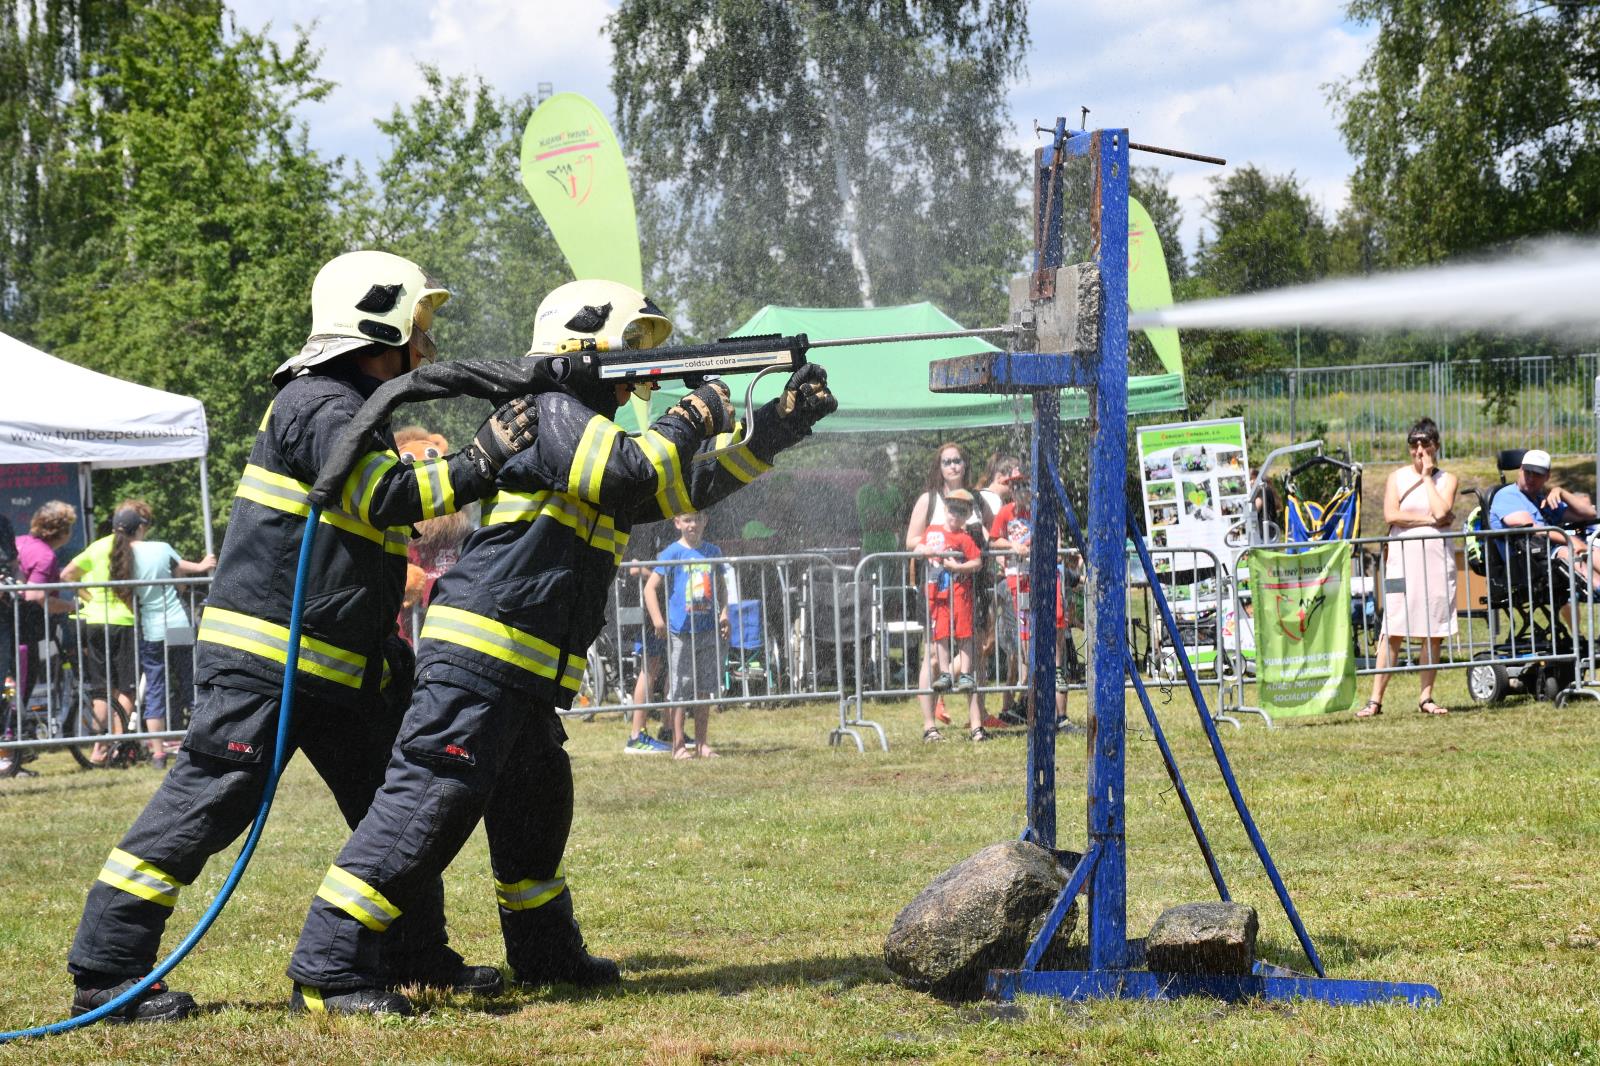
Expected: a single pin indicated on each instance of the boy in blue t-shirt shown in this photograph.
(694, 655)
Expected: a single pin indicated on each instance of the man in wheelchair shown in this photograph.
(1555, 554)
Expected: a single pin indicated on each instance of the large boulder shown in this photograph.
(979, 915)
(1203, 938)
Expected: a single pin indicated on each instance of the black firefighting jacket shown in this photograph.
(518, 612)
(358, 564)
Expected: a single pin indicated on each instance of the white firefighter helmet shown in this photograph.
(607, 311)
(363, 298)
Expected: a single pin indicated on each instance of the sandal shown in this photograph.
(930, 736)
(1371, 710)
(1429, 706)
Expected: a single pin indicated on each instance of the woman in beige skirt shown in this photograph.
(1419, 579)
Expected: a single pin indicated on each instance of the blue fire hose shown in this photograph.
(280, 755)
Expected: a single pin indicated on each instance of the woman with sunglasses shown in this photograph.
(1419, 579)
(950, 471)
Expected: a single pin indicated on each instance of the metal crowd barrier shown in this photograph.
(1524, 624)
(50, 702)
(774, 630)
(806, 628)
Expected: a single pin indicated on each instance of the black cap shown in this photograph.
(128, 521)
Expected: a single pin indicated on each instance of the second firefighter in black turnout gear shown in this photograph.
(502, 650)
(354, 675)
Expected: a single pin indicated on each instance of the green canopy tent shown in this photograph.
(883, 388)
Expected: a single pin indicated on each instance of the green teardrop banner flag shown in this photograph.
(1148, 282)
(573, 168)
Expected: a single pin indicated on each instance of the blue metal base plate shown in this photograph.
(1078, 985)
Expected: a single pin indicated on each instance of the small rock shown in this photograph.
(1203, 938)
(980, 914)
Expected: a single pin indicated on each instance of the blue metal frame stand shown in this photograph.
(1114, 960)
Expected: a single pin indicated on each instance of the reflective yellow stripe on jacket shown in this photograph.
(433, 485)
(359, 487)
(271, 641)
(672, 493)
(503, 642)
(282, 492)
(590, 523)
(741, 462)
(589, 461)
(525, 895)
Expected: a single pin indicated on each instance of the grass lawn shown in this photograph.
(747, 899)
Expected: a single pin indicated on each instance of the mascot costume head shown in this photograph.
(439, 543)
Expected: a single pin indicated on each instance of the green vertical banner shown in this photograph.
(1149, 285)
(573, 168)
(1304, 663)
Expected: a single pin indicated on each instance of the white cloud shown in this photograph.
(1242, 79)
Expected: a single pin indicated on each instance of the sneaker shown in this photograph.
(1015, 714)
(158, 1003)
(979, 735)
(645, 744)
(931, 736)
(942, 683)
(966, 683)
(307, 1000)
(1061, 680)
(754, 670)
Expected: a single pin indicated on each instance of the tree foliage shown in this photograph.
(1474, 123)
(1267, 232)
(813, 152)
(183, 219)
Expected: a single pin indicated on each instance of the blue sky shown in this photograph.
(1243, 79)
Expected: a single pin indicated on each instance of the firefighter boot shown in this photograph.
(545, 947)
(307, 1000)
(158, 1003)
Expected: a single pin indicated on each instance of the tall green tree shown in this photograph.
(447, 195)
(822, 152)
(1267, 232)
(198, 217)
(1474, 123)
(46, 48)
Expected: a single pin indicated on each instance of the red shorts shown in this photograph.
(951, 605)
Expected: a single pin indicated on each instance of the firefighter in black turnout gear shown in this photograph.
(371, 312)
(502, 650)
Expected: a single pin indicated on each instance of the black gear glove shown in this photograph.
(512, 428)
(709, 408)
(806, 396)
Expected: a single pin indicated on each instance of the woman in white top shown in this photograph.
(950, 471)
(1419, 579)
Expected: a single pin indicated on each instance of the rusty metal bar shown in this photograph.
(1198, 158)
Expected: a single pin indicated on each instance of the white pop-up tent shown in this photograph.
(53, 411)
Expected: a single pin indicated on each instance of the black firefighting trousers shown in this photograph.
(465, 752)
(210, 796)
